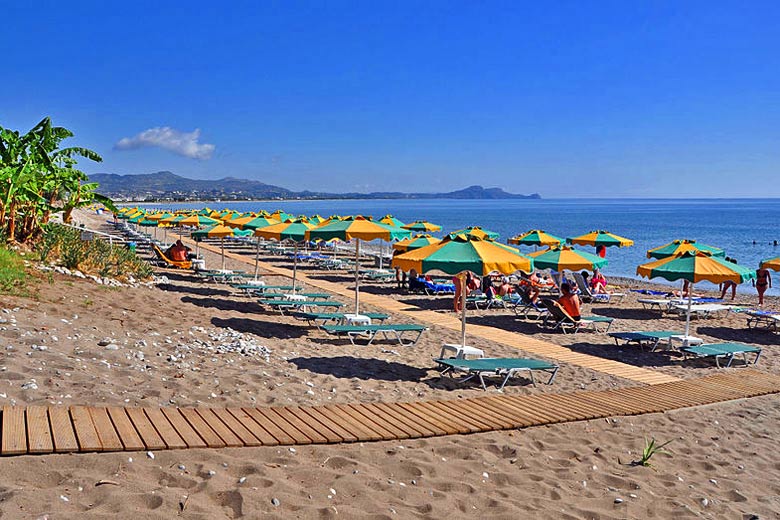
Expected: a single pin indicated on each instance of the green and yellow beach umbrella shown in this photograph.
(198, 220)
(391, 221)
(316, 219)
(259, 222)
(357, 228)
(679, 247)
(536, 237)
(600, 238)
(415, 242)
(292, 230)
(478, 232)
(771, 263)
(219, 231)
(695, 266)
(566, 258)
(457, 254)
(422, 226)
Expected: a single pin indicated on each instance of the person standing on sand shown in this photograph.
(762, 282)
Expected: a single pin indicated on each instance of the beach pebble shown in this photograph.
(129, 459)
(292, 450)
(211, 473)
(705, 502)
(485, 474)
(713, 481)
(150, 455)
(618, 500)
(105, 341)
(182, 467)
(632, 495)
(30, 386)
(275, 501)
(64, 498)
(112, 346)
(242, 480)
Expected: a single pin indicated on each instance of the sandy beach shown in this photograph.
(179, 344)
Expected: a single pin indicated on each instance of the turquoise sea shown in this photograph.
(745, 228)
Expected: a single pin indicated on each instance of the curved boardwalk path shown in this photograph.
(450, 321)
(59, 429)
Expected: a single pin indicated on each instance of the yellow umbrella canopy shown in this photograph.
(415, 242)
(600, 238)
(536, 237)
(771, 263)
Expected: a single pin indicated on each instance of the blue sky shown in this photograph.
(568, 99)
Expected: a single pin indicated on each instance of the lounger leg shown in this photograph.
(552, 377)
(758, 355)
(482, 380)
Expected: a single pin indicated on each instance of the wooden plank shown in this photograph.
(202, 428)
(548, 402)
(315, 424)
(269, 426)
(231, 439)
(409, 430)
(453, 412)
(105, 430)
(14, 431)
(433, 415)
(62, 430)
(145, 429)
(362, 431)
(314, 412)
(124, 428)
(499, 418)
(38, 431)
(236, 427)
(425, 427)
(183, 428)
(284, 425)
(381, 419)
(86, 433)
(520, 417)
(519, 404)
(265, 438)
(165, 429)
(589, 411)
(353, 412)
(315, 436)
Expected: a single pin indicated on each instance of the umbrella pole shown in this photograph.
(295, 264)
(381, 250)
(257, 258)
(463, 311)
(222, 243)
(688, 315)
(357, 275)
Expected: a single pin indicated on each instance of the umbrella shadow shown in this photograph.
(628, 354)
(222, 304)
(757, 336)
(262, 328)
(429, 303)
(201, 291)
(347, 367)
(626, 314)
(508, 322)
(179, 276)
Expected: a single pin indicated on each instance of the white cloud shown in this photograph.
(167, 138)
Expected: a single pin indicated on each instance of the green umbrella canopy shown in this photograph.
(536, 237)
(458, 253)
(422, 226)
(215, 231)
(259, 222)
(565, 257)
(138, 218)
(415, 242)
(681, 246)
(600, 238)
(198, 220)
(696, 267)
(148, 223)
(477, 232)
(357, 227)
(391, 221)
(243, 232)
(291, 230)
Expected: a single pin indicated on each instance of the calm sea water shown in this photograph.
(731, 224)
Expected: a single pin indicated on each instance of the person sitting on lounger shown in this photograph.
(505, 287)
(570, 301)
(178, 252)
(598, 284)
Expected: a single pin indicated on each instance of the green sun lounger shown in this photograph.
(651, 338)
(722, 351)
(253, 288)
(502, 367)
(558, 318)
(395, 331)
(338, 318)
(294, 305)
(308, 296)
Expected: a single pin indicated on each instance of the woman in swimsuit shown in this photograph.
(762, 281)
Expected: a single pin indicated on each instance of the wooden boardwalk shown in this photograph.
(58, 429)
(519, 341)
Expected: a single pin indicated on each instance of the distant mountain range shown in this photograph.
(165, 185)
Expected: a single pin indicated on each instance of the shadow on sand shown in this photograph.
(258, 327)
(348, 367)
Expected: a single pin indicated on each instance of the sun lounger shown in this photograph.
(768, 320)
(302, 305)
(285, 296)
(436, 288)
(722, 351)
(167, 262)
(558, 318)
(263, 289)
(389, 331)
(502, 367)
(705, 310)
(524, 306)
(588, 296)
(336, 318)
(642, 338)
